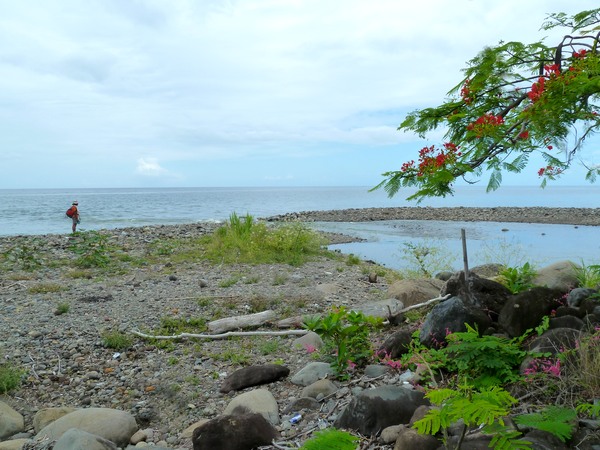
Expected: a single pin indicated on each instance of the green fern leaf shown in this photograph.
(553, 419)
(331, 439)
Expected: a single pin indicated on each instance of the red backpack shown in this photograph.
(71, 211)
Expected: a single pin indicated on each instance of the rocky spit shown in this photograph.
(567, 216)
(168, 388)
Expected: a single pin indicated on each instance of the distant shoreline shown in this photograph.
(535, 214)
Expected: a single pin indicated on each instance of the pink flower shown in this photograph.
(310, 348)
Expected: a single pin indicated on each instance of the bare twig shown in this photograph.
(13, 284)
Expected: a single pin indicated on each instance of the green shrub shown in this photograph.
(486, 407)
(517, 279)
(246, 241)
(331, 439)
(62, 308)
(346, 333)
(92, 248)
(588, 276)
(116, 340)
(484, 360)
(10, 377)
(26, 255)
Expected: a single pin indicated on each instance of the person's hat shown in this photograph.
(76, 202)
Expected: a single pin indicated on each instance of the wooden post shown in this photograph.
(465, 262)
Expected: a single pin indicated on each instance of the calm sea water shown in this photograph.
(35, 212)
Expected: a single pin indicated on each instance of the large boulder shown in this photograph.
(561, 275)
(487, 294)
(111, 424)
(525, 310)
(448, 317)
(259, 401)
(78, 439)
(413, 291)
(11, 422)
(375, 409)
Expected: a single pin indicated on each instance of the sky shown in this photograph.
(195, 93)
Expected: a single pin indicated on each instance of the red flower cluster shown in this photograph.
(466, 93)
(537, 89)
(523, 135)
(580, 54)
(431, 159)
(549, 171)
(485, 124)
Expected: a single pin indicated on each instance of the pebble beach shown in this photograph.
(170, 388)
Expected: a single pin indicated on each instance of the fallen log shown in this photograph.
(237, 322)
(222, 335)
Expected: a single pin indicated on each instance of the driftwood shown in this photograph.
(237, 322)
(222, 335)
(394, 318)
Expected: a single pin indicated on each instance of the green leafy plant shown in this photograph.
(517, 279)
(116, 340)
(10, 377)
(331, 439)
(589, 409)
(62, 308)
(588, 276)
(346, 333)
(485, 360)
(178, 325)
(25, 255)
(487, 407)
(554, 419)
(92, 248)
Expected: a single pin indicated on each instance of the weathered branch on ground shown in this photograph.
(222, 335)
(237, 322)
(396, 318)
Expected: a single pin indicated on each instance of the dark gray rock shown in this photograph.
(487, 294)
(254, 376)
(375, 409)
(543, 440)
(577, 295)
(526, 310)
(239, 432)
(450, 316)
(567, 322)
(396, 344)
(555, 341)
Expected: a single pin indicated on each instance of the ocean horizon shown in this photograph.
(42, 211)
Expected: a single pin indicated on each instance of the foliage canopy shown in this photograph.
(515, 100)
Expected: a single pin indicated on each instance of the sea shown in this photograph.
(391, 243)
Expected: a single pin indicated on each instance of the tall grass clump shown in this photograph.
(244, 240)
(10, 377)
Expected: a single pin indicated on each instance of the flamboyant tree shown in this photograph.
(515, 100)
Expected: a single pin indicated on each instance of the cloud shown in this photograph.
(150, 167)
(216, 83)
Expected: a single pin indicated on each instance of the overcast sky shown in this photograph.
(142, 93)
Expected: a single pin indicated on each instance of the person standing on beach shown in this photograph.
(73, 213)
